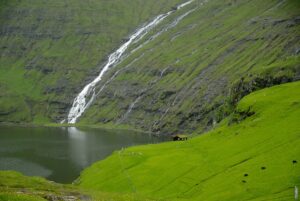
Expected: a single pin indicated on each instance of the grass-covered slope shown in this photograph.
(17, 187)
(50, 49)
(180, 81)
(252, 155)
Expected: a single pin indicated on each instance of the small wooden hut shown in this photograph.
(179, 137)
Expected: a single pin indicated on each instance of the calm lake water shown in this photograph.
(60, 154)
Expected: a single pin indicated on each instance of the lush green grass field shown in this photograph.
(248, 157)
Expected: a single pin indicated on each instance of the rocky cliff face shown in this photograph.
(50, 49)
(184, 75)
(189, 77)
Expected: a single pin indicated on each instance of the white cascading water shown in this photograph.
(169, 26)
(87, 95)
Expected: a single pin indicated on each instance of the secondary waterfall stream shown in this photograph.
(88, 94)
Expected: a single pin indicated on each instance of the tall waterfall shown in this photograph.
(88, 94)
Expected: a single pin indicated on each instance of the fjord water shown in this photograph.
(60, 154)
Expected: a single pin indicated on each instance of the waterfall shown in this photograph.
(88, 94)
(169, 26)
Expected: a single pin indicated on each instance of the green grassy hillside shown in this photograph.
(50, 49)
(17, 187)
(191, 75)
(187, 78)
(252, 155)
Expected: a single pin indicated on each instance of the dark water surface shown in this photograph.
(60, 154)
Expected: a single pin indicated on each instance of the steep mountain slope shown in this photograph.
(188, 74)
(253, 155)
(50, 49)
(185, 75)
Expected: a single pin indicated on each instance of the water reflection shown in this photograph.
(59, 154)
(78, 147)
